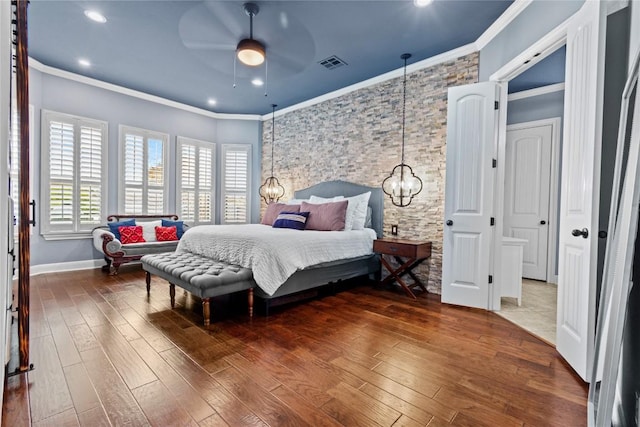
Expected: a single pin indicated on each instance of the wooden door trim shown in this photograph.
(22, 80)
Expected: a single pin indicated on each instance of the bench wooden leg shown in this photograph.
(147, 278)
(250, 301)
(206, 311)
(172, 294)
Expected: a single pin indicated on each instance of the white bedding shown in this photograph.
(274, 254)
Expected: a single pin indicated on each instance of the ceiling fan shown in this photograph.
(250, 51)
(212, 30)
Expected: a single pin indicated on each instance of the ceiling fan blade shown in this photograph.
(205, 45)
(229, 14)
(288, 63)
(199, 28)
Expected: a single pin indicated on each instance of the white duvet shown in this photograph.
(274, 254)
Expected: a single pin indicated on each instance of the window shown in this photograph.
(196, 185)
(236, 179)
(74, 169)
(143, 182)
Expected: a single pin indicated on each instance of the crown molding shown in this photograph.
(136, 94)
(501, 23)
(543, 90)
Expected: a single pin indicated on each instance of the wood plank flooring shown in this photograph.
(106, 354)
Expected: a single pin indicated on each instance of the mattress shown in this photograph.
(274, 254)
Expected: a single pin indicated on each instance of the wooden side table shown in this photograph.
(415, 253)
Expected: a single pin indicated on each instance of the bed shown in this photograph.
(311, 277)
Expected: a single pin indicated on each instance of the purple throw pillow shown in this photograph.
(274, 209)
(326, 216)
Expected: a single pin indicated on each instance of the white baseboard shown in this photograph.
(66, 266)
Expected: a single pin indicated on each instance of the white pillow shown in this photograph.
(357, 211)
(296, 201)
(317, 200)
(149, 229)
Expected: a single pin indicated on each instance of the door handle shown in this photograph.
(602, 234)
(32, 221)
(543, 222)
(449, 223)
(584, 233)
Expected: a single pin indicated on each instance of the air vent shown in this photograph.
(332, 62)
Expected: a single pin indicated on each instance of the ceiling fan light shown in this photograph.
(250, 52)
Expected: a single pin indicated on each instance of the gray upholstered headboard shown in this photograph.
(348, 189)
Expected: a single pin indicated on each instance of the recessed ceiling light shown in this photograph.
(84, 62)
(211, 101)
(95, 16)
(257, 82)
(422, 3)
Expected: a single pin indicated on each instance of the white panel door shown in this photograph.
(471, 130)
(580, 184)
(526, 203)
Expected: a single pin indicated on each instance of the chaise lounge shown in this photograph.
(118, 250)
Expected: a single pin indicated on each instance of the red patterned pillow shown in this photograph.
(131, 234)
(166, 234)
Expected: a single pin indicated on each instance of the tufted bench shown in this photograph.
(203, 277)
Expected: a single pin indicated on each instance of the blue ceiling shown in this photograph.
(184, 50)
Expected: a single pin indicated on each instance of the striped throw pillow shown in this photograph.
(294, 220)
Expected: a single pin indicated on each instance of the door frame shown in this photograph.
(535, 53)
(554, 207)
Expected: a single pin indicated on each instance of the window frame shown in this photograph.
(76, 230)
(223, 191)
(199, 144)
(146, 134)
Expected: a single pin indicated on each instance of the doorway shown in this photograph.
(531, 206)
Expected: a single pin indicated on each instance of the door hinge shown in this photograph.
(490, 279)
(492, 221)
(494, 163)
(496, 105)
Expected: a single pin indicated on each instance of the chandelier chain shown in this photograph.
(273, 127)
(404, 102)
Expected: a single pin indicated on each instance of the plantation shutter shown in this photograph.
(133, 174)
(236, 178)
(196, 189)
(143, 183)
(61, 165)
(188, 183)
(74, 181)
(205, 185)
(90, 176)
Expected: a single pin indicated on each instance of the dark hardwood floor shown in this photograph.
(105, 354)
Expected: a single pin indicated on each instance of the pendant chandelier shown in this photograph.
(271, 190)
(402, 185)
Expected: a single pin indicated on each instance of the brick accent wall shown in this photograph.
(357, 137)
